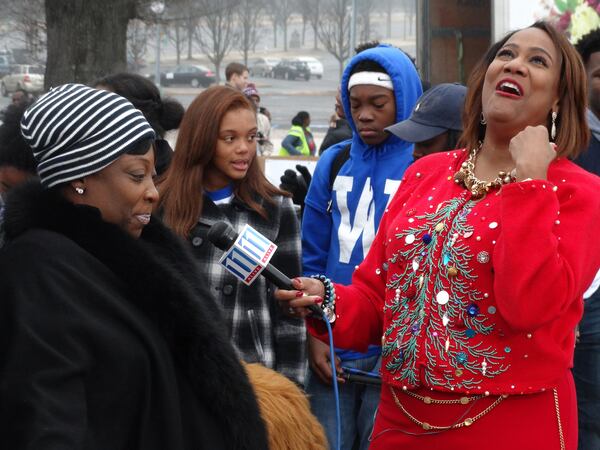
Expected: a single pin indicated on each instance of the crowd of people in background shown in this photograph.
(446, 233)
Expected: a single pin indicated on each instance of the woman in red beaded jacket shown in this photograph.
(474, 282)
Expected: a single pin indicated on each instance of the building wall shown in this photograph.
(452, 36)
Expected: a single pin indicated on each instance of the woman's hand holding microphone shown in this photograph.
(309, 291)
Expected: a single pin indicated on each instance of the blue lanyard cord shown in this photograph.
(336, 392)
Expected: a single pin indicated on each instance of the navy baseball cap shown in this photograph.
(439, 109)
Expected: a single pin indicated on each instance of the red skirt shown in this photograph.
(518, 422)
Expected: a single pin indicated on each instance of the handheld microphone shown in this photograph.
(247, 255)
(362, 379)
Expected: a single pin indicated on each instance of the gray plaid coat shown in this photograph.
(257, 326)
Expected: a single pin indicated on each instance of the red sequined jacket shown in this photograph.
(475, 296)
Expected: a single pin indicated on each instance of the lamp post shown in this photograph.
(157, 8)
(352, 29)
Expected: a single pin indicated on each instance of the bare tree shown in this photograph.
(189, 13)
(190, 27)
(334, 29)
(96, 33)
(137, 43)
(248, 17)
(27, 23)
(365, 8)
(175, 30)
(388, 18)
(215, 32)
(311, 9)
(182, 17)
(285, 12)
(281, 13)
(273, 17)
(304, 22)
(409, 8)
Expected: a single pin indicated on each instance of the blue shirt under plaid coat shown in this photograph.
(258, 328)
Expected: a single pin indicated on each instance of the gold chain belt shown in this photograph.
(469, 420)
(433, 401)
(560, 430)
(463, 400)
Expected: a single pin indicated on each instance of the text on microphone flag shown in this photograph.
(249, 255)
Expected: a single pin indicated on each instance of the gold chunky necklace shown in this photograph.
(478, 188)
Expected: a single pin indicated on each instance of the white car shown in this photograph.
(263, 67)
(315, 66)
(22, 76)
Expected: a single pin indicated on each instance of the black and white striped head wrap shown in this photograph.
(75, 131)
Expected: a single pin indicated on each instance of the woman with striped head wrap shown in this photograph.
(103, 342)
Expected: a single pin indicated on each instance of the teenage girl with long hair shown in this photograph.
(214, 176)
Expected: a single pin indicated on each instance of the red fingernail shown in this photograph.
(318, 300)
(299, 293)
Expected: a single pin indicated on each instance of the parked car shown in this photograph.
(23, 76)
(5, 65)
(263, 67)
(315, 66)
(194, 75)
(290, 70)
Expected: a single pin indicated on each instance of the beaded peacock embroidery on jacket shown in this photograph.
(430, 298)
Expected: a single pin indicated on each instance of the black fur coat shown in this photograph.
(107, 342)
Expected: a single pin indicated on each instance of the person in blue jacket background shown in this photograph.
(380, 87)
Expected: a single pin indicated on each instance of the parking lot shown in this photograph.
(284, 98)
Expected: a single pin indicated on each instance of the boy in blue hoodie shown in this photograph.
(380, 87)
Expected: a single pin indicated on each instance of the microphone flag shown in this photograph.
(249, 255)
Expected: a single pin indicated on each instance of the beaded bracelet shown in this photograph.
(328, 305)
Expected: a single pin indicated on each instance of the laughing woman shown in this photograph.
(214, 176)
(475, 280)
(97, 352)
